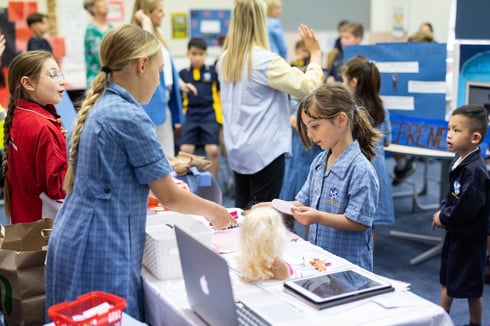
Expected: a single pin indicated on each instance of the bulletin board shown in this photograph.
(209, 24)
(413, 89)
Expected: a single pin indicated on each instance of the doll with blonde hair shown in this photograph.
(263, 239)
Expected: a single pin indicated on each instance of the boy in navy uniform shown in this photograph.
(39, 25)
(202, 110)
(464, 213)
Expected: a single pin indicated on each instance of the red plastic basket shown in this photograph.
(62, 313)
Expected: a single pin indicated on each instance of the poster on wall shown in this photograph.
(210, 24)
(179, 25)
(413, 89)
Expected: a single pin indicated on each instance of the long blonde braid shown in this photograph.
(120, 47)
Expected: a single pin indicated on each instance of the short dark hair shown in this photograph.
(35, 18)
(197, 42)
(477, 116)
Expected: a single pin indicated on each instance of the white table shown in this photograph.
(166, 300)
(426, 154)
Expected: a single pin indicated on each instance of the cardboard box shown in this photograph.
(161, 256)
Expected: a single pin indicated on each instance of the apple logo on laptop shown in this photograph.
(204, 284)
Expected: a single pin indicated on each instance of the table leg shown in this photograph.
(434, 251)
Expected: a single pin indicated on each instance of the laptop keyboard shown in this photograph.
(247, 316)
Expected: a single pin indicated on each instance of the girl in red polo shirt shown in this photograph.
(34, 161)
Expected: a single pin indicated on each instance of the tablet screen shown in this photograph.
(334, 285)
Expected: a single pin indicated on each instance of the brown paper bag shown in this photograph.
(22, 285)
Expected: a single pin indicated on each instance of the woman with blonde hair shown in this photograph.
(275, 32)
(262, 242)
(165, 106)
(98, 236)
(254, 88)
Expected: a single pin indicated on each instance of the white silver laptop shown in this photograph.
(208, 285)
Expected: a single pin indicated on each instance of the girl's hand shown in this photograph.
(144, 20)
(305, 215)
(221, 219)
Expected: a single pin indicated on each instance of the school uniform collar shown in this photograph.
(470, 158)
(122, 92)
(343, 162)
(48, 111)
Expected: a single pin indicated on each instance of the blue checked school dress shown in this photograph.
(98, 237)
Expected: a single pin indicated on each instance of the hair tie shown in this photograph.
(355, 107)
(106, 69)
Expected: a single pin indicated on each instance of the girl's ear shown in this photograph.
(141, 66)
(353, 83)
(27, 83)
(341, 119)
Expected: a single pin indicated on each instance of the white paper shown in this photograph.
(398, 67)
(210, 26)
(399, 102)
(50, 206)
(431, 87)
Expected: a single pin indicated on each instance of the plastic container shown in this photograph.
(83, 311)
(161, 256)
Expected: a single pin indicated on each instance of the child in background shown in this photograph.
(34, 159)
(340, 195)
(38, 23)
(363, 79)
(351, 33)
(98, 237)
(464, 213)
(302, 56)
(203, 116)
(262, 242)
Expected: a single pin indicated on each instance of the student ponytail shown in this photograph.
(364, 132)
(367, 88)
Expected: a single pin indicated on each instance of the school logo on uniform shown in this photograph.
(206, 76)
(334, 193)
(457, 187)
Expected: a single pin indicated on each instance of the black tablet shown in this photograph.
(334, 288)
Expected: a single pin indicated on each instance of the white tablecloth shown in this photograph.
(166, 300)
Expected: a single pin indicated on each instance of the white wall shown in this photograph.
(415, 12)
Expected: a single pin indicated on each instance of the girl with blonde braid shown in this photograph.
(34, 160)
(98, 236)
